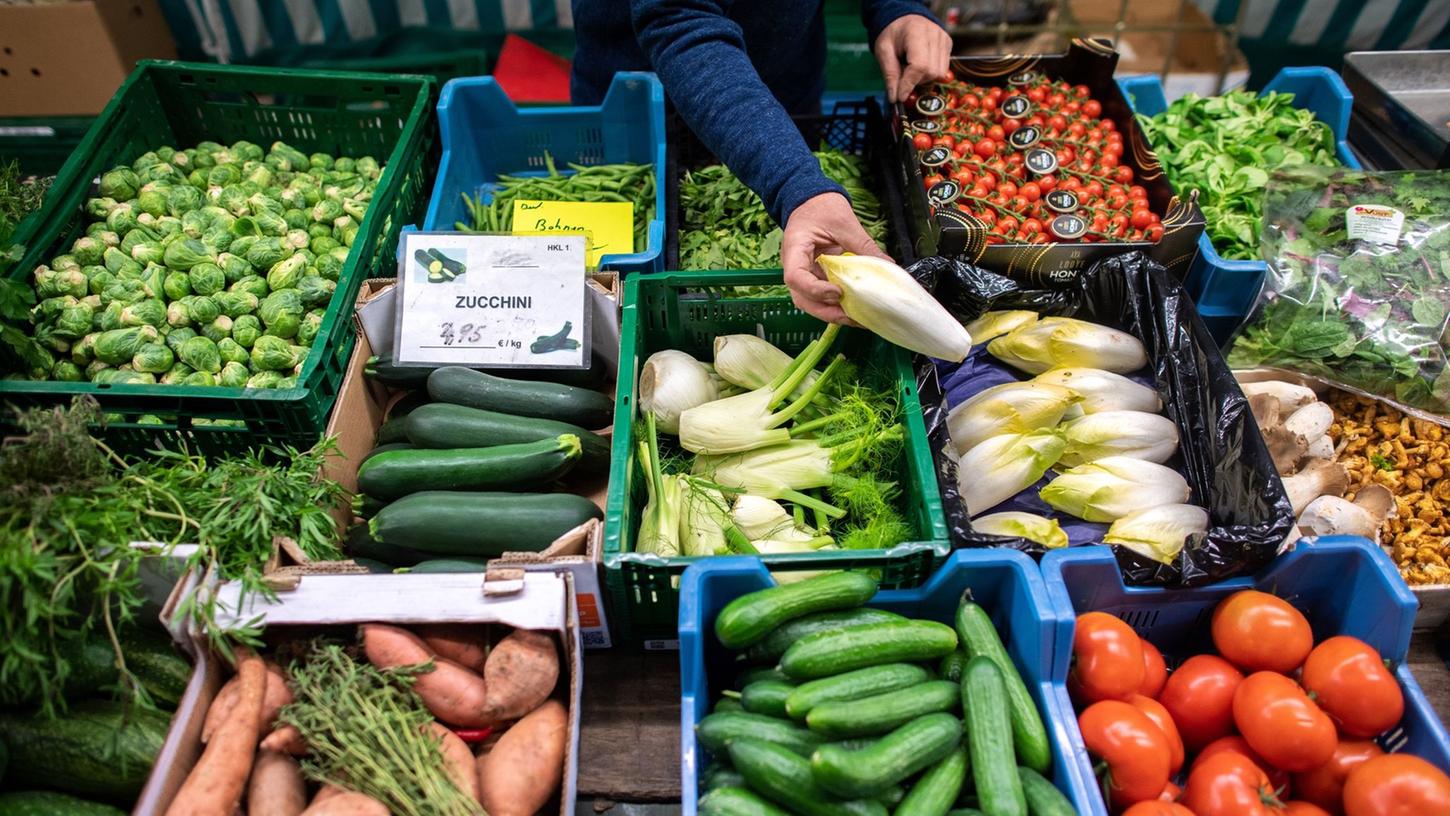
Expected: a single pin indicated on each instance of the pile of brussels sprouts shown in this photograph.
(207, 266)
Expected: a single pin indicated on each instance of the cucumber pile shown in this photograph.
(845, 710)
(466, 468)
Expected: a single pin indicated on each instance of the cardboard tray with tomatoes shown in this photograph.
(1083, 182)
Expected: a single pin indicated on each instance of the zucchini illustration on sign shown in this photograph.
(558, 341)
(440, 267)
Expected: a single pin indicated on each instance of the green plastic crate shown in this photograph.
(180, 104)
(441, 65)
(685, 310)
(41, 144)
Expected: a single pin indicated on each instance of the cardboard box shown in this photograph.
(68, 59)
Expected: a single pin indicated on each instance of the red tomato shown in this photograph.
(964, 177)
(1199, 695)
(989, 103)
(1108, 125)
(1070, 184)
(1076, 130)
(1057, 122)
(1092, 109)
(1117, 201)
(977, 191)
(970, 102)
(1019, 203)
(1080, 90)
(1093, 189)
(1141, 219)
(1133, 747)
(1156, 808)
(1010, 125)
(996, 132)
(921, 141)
(1324, 786)
(1056, 100)
(1123, 174)
(1154, 232)
(1007, 223)
(1108, 658)
(1137, 191)
(1037, 94)
(933, 180)
(1299, 808)
(1259, 632)
(944, 140)
(1161, 718)
(1032, 226)
(1171, 793)
(1278, 779)
(988, 181)
(1228, 784)
(1030, 191)
(1007, 189)
(1350, 682)
(1108, 161)
(1047, 183)
(1038, 238)
(1155, 671)
(1281, 723)
(1396, 785)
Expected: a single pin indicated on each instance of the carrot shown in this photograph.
(346, 803)
(462, 643)
(457, 760)
(277, 695)
(215, 785)
(285, 739)
(454, 694)
(276, 787)
(523, 770)
(521, 673)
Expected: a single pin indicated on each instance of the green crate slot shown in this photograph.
(181, 104)
(669, 310)
(441, 65)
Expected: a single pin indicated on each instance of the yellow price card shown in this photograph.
(609, 225)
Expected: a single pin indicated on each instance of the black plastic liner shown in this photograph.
(1221, 452)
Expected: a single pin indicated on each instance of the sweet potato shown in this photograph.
(346, 803)
(463, 643)
(215, 785)
(520, 674)
(454, 694)
(523, 770)
(390, 646)
(285, 739)
(457, 760)
(277, 694)
(277, 787)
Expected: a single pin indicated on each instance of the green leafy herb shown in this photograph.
(1381, 461)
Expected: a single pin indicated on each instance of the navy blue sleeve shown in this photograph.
(878, 14)
(699, 54)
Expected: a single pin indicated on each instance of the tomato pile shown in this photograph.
(1034, 161)
(1273, 724)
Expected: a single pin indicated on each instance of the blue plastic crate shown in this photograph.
(1005, 582)
(485, 135)
(1223, 289)
(1344, 585)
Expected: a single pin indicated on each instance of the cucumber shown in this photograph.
(994, 767)
(374, 567)
(437, 565)
(980, 639)
(728, 704)
(50, 803)
(766, 697)
(149, 656)
(952, 665)
(893, 796)
(464, 386)
(869, 771)
(96, 749)
(391, 431)
(479, 524)
(936, 791)
(867, 644)
(722, 776)
(359, 543)
(772, 646)
(391, 446)
(395, 474)
(755, 675)
(751, 617)
(965, 812)
(882, 713)
(786, 778)
(717, 729)
(1043, 797)
(852, 685)
(737, 801)
(440, 425)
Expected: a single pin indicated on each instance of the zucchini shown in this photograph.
(723, 727)
(440, 425)
(936, 791)
(893, 796)
(391, 446)
(464, 386)
(397, 473)
(736, 800)
(50, 803)
(359, 543)
(365, 506)
(751, 617)
(391, 431)
(445, 522)
(383, 370)
(374, 567)
(766, 697)
(149, 656)
(852, 685)
(99, 748)
(952, 665)
(451, 267)
(881, 713)
(869, 771)
(437, 565)
(386, 372)
(994, 767)
(1043, 797)
(772, 646)
(786, 778)
(1029, 734)
(867, 644)
(966, 811)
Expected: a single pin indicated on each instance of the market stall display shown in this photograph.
(1402, 108)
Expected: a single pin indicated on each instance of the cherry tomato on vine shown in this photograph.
(1140, 219)
(1281, 723)
(1107, 657)
(921, 141)
(1350, 682)
(1396, 785)
(996, 132)
(1007, 189)
(1132, 746)
(933, 180)
(1258, 631)
(1153, 233)
(1199, 695)
(985, 148)
(1123, 174)
(1228, 784)
(1171, 793)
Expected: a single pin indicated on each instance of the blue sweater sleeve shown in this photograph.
(699, 54)
(878, 14)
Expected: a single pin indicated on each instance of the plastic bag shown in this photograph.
(1221, 453)
(1358, 288)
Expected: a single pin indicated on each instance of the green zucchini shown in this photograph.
(440, 425)
(852, 685)
(391, 431)
(1043, 797)
(373, 566)
(736, 800)
(936, 791)
(479, 524)
(383, 370)
(453, 267)
(100, 748)
(150, 657)
(717, 729)
(892, 797)
(437, 565)
(391, 446)
(766, 697)
(871, 770)
(965, 812)
(1029, 734)
(395, 474)
(359, 543)
(365, 506)
(867, 644)
(994, 767)
(786, 779)
(751, 617)
(772, 646)
(881, 713)
(464, 386)
(952, 665)
(51, 803)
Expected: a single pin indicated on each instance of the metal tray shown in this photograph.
(1407, 95)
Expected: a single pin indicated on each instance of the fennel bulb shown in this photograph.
(1151, 437)
(1056, 342)
(670, 383)
(1158, 532)
(703, 521)
(747, 361)
(1003, 466)
(1103, 390)
(1015, 407)
(883, 298)
(1035, 528)
(1112, 487)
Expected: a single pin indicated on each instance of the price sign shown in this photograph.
(925, 125)
(1062, 201)
(609, 224)
(1016, 107)
(931, 105)
(1024, 137)
(1068, 227)
(1041, 161)
(944, 192)
(936, 157)
(1022, 78)
(492, 301)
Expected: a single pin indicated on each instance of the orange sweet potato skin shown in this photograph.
(523, 771)
(520, 674)
(454, 694)
(463, 643)
(276, 787)
(346, 803)
(216, 783)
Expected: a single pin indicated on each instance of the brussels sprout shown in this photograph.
(245, 330)
(104, 235)
(149, 312)
(181, 159)
(75, 321)
(247, 151)
(355, 208)
(223, 175)
(201, 354)
(264, 379)
(147, 252)
(177, 315)
(83, 351)
(260, 203)
(245, 227)
(299, 239)
(292, 198)
(218, 330)
(270, 223)
(272, 354)
(261, 174)
(234, 267)
(232, 199)
(315, 290)
(368, 166)
(166, 226)
(236, 304)
(320, 245)
(120, 184)
(153, 281)
(232, 351)
(316, 231)
(197, 178)
(286, 274)
(346, 164)
(121, 218)
(326, 211)
(233, 375)
(153, 358)
(118, 346)
(87, 250)
(97, 278)
(124, 291)
(311, 325)
(100, 207)
(207, 279)
(187, 253)
(66, 371)
(152, 202)
(286, 157)
(177, 374)
(116, 376)
(200, 378)
(176, 286)
(51, 283)
(110, 317)
(320, 161)
(268, 251)
(299, 356)
(280, 300)
(159, 172)
(177, 336)
(51, 307)
(251, 283)
(116, 259)
(296, 219)
(47, 338)
(218, 238)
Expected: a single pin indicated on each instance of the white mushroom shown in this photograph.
(1319, 478)
(1332, 515)
(1291, 397)
(1321, 448)
(1312, 421)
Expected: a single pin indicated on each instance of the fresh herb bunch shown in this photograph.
(19, 196)
(1372, 316)
(1225, 147)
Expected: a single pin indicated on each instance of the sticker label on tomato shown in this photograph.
(944, 192)
(1016, 107)
(1062, 201)
(1041, 161)
(931, 105)
(936, 157)
(926, 126)
(1025, 137)
(1068, 227)
(1022, 78)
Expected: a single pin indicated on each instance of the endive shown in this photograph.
(1138, 434)
(1103, 390)
(1113, 487)
(1158, 532)
(1035, 528)
(1055, 342)
(996, 324)
(671, 382)
(1015, 407)
(1003, 466)
(882, 297)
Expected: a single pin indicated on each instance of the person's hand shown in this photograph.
(823, 225)
(920, 43)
